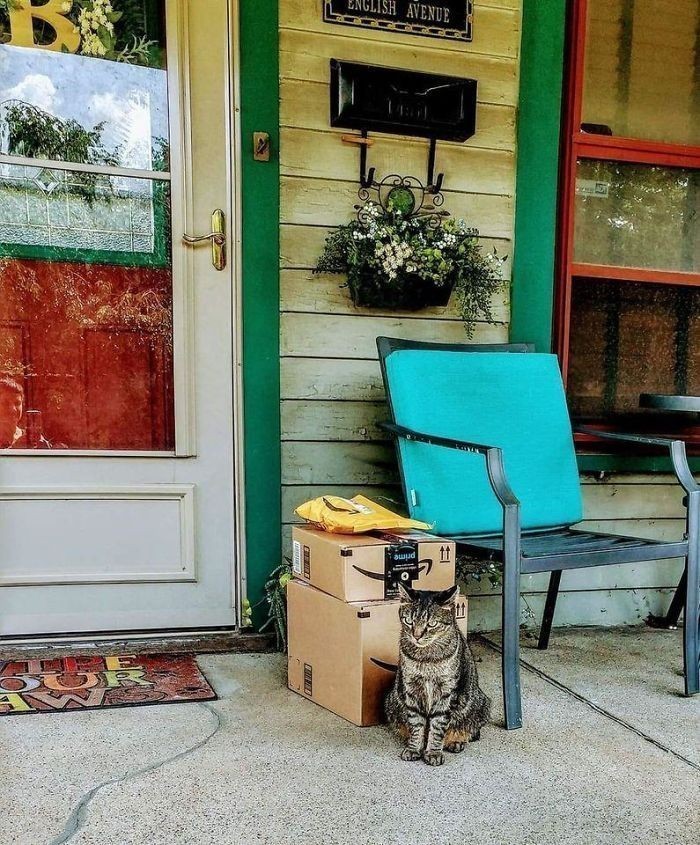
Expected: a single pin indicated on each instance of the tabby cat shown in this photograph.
(436, 702)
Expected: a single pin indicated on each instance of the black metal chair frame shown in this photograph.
(558, 549)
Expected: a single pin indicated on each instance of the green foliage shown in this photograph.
(34, 133)
(403, 261)
(5, 6)
(119, 34)
(276, 599)
(470, 569)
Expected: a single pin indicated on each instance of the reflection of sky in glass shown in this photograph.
(131, 100)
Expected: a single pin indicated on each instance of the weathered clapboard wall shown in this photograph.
(332, 398)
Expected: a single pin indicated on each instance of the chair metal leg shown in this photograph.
(511, 626)
(549, 607)
(670, 620)
(691, 613)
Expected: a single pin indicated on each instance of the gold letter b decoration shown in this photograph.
(22, 15)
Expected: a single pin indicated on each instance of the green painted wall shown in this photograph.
(539, 124)
(259, 102)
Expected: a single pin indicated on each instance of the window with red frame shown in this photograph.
(627, 319)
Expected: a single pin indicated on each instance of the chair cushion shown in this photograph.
(514, 401)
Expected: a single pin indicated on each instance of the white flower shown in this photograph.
(66, 7)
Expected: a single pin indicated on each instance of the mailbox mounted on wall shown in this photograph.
(402, 102)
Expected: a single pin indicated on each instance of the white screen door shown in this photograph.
(116, 398)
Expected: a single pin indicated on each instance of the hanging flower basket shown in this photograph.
(368, 289)
(395, 258)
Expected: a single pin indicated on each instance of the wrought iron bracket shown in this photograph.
(433, 183)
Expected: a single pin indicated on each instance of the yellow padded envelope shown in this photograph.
(353, 516)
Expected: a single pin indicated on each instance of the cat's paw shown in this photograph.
(434, 758)
(410, 755)
(455, 747)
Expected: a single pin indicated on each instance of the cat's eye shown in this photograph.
(433, 623)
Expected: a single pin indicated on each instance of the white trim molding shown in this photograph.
(183, 570)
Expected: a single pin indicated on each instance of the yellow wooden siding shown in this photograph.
(328, 345)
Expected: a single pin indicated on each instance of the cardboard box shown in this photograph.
(343, 656)
(368, 567)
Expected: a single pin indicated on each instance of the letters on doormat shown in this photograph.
(90, 682)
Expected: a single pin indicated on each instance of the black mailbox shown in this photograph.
(402, 102)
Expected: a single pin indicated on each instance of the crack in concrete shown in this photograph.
(78, 816)
(596, 707)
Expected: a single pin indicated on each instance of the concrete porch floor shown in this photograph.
(609, 755)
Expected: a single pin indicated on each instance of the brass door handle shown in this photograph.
(217, 237)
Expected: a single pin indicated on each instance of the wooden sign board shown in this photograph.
(436, 18)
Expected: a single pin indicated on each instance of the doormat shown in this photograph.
(67, 684)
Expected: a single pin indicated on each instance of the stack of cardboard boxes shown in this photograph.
(343, 619)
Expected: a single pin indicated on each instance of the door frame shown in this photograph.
(234, 214)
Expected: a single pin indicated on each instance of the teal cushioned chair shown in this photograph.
(487, 457)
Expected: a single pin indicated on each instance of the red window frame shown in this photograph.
(578, 145)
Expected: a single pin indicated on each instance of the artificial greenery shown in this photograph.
(276, 599)
(392, 259)
(118, 30)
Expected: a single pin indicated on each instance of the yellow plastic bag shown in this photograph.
(353, 516)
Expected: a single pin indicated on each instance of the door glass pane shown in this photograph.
(62, 213)
(86, 342)
(635, 215)
(642, 76)
(631, 338)
(101, 100)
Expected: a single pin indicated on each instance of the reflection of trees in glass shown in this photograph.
(93, 347)
(119, 30)
(90, 296)
(26, 130)
(161, 155)
(34, 133)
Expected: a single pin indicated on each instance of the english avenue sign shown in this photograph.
(437, 18)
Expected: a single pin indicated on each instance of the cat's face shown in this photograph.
(427, 616)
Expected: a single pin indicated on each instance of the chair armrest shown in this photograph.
(627, 438)
(434, 439)
(493, 454)
(676, 449)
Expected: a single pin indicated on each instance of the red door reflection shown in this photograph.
(90, 347)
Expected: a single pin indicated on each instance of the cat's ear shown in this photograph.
(448, 597)
(406, 594)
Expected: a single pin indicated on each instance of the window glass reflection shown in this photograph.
(631, 338)
(85, 356)
(86, 345)
(61, 213)
(637, 215)
(642, 70)
(104, 102)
